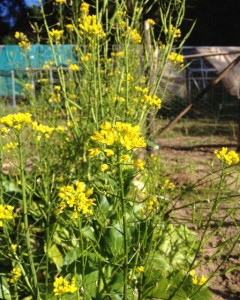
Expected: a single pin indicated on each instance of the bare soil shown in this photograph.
(188, 160)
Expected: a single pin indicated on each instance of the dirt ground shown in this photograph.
(188, 159)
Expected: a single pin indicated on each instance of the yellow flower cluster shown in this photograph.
(86, 57)
(23, 40)
(77, 197)
(139, 164)
(90, 26)
(6, 213)
(28, 87)
(16, 121)
(176, 58)
(153, 100)
(175, 31)
(56, 34)
(60, 1)
(133, 35)
(104, 167)
(84, 8)
(10, 146)
(16, 274)
(197, 280)
(118, 54)
(229, 157)
(19, 120)
(151, 22)
(147, 98)
(167, 185)
(43, 129)
(74, 67)
(63, 286)
(140, 269)
(69, 27)
(123, 134)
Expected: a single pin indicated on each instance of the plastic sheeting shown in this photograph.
(220, 58)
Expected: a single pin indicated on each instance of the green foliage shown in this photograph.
(82, 216)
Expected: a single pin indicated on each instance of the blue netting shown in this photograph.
(15, 62)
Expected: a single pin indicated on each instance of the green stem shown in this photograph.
(124, 221)
(35, 289)
(81, 246)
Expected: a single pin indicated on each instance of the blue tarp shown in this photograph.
(13, 61)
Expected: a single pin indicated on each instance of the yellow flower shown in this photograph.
(86, 57)
(168, 185)
(176, 58)
(197, 280)
(118, 54)
(23, 40)
(74, 67)
(10, 146)
(104, 167)
(57, 88)
(63, 286)
(123, 134)
(176, 32)
(125, 158)
(60, 1)
(6, 213)
(16, 121)
(16, 274)
(139, 164)
(140, 269)
(229, 157)
(14, 247)
(28, 87)
(153, 100)
(56, 34)
(77, 197)
(109, 152)
(152, 203)
(69, 27)
(133, 35)
(43, 129)
(84, 8)
(89, 26)
(151, 22)
(93, 152)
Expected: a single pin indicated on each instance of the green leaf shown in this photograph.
(114, 240)
(90, 282)
(56, 256)
(71, 256)
(4, 289)
(89, 233)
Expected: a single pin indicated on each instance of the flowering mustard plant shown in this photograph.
(77, 197)
(228, 157)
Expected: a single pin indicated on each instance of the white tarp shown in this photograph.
(221, 58)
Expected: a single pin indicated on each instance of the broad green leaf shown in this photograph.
(114, 240)
(71, 256)
(56, 256)
(4, 290)
(88, 232)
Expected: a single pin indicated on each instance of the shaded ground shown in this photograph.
(188, 152)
